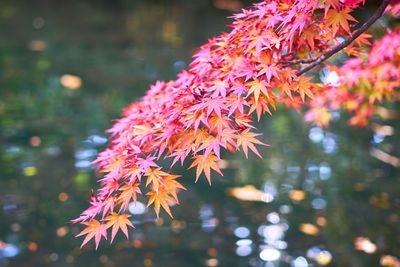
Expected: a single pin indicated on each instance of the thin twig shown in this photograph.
(349, 40)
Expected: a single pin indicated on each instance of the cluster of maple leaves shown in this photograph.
(233, 79)
(361, 83)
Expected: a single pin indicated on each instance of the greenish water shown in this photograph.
(325, 198)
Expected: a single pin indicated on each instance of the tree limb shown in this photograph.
(300, 61)
(378, 13)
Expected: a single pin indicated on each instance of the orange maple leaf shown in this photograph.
(128, 192)
(205, 164)
(341, 18)
(256, 88)
(118, 221)
(303, 87)
(154, 176)
(173, 186)
(247, 139)
(160, 199)
(94, 229)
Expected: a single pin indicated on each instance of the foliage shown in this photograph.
(364, 81)
(233, 79)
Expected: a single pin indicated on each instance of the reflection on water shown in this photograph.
(321, 197)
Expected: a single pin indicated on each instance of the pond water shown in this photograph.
(320, 197)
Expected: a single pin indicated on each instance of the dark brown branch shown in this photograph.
(300, 61)
(378, 13)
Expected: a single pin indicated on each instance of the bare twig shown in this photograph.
(378, 13)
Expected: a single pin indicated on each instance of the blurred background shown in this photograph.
(320, 197)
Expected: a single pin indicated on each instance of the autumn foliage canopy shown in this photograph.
(232, 81)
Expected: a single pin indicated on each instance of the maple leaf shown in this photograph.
(259, 43)
(211, 144)
(146, 163)
(96, 205)
(309, 36)
(194, 118)
(219, 123)
(154, 176)
(228, 137)
(133, 173)
(109, 204)
(303, 87)
(94, 229)
(215, 104)
(363, 39)
(173, 186)
(205, 164)
(118, 221)
(109, 186)
(220, 88)
(128, 192)
(269, 71)
(113, 165)
(341, 18)
(236, 103)
(262, 106)
(256, 88)
(142, 130)
(286, 89)
(160, 199)
(297, 25)
(243, 120)
(247, 139)
(335, 4)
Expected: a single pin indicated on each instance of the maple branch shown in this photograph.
(300, 61)
(378, 13)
